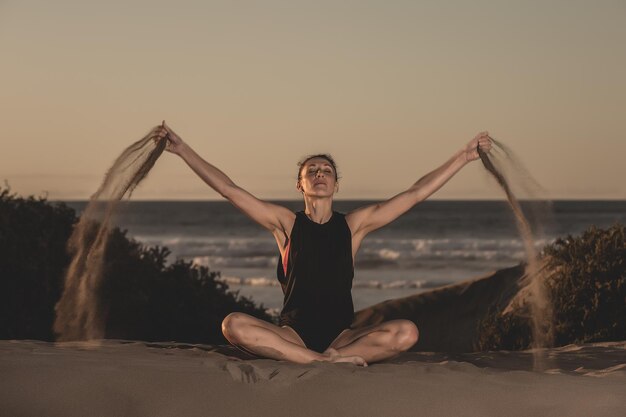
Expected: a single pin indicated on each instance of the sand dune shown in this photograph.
(122, 378)
(448, 317)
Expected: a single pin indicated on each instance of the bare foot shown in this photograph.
(336, 357)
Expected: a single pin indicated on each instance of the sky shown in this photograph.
(391, 89)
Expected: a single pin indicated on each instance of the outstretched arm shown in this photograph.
(369, 218)
(271, 216)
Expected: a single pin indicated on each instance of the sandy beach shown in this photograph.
(133, 378)
(138, 378)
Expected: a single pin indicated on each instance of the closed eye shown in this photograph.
(313, 170)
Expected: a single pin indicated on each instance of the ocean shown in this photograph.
(434, 244)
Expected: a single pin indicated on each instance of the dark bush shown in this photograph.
(148, 300)
(587, 288)
(33, 257)
(142, 296)
(509, 332)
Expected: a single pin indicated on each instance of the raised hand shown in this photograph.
(174, 142)
(482, 141)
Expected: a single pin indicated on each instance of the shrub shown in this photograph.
(142, 297)
(587, 288)
(33, 235)
(588, 285)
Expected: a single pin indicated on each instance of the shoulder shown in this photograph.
(356, 218)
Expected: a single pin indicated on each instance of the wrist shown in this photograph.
(183, 150)
(461, 157)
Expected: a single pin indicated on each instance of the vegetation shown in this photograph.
(587, 288)
(146, 298)
(143, 297)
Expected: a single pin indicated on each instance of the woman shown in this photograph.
(317, 247)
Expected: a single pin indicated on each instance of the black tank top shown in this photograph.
(318, 281)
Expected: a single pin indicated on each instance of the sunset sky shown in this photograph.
(390, 88)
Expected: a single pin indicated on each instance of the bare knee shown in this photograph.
(233, 327)
(405, 336)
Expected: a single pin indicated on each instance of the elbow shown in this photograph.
(228, 191)
(417, 194)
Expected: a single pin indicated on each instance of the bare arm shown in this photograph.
(271, 216)
(369, 218)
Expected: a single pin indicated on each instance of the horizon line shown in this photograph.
(148, 200)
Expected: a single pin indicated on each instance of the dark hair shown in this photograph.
(325, 156)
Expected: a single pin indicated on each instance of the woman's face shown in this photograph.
(317, 178)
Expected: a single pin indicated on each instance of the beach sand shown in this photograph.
(136, 378)
(133, 378)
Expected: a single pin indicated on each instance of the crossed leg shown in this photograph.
(377, 342)
(358, 346)
(265, 339)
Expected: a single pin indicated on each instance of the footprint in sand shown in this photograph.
(252, 374)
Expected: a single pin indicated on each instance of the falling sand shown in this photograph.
(535, 294)
(79, 315)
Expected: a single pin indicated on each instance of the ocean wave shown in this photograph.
(398, 284)
(252, 282)
(214, 262)
(370, 284)
(189, 246)
(229, 252)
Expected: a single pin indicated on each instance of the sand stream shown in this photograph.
(539, 306)
(79, 315)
